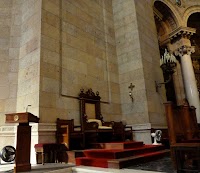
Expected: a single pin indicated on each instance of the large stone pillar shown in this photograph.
(189, 79)
(180, 44)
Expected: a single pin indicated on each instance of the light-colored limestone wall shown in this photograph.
(129, 62)
(29, 57)
(151, 62)
(21, 64)
(138, 57)
(77, 51)
(6, 72)
(20, 34)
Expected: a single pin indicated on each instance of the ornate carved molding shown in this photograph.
(184, 50)
(180, 32)
(177, 34)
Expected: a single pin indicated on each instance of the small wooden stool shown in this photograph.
(46, 151)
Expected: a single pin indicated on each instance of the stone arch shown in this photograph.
(169, 19)
(188, 12)
(176, 16)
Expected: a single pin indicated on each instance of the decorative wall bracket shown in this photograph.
(159, 84)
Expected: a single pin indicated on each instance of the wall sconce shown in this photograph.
(131, 86)
(167, 64)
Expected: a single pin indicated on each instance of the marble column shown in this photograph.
(189, 79)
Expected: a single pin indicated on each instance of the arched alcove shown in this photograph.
(193, 22)
(166, 22)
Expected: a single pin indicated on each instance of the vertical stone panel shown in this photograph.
(8, 61)
(138, 61)
(29, 57)
(130, 62)
(150, 56)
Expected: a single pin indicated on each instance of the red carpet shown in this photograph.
(120, 154)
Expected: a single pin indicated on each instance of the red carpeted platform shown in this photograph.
(121, 154)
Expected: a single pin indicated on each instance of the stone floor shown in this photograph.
(163, 165)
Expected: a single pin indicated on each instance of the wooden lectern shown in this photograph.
(23, 145)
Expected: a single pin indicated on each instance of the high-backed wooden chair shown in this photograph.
(67, 134)
(90, 110)
(91, 119)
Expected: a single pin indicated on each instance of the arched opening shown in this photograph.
(193, 22)
(165, 24)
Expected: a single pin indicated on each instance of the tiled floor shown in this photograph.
(163, 165)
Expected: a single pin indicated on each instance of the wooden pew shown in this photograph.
(184, 136)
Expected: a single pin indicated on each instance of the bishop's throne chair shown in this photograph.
(92, 123)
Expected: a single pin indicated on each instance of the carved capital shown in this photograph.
(184, 50)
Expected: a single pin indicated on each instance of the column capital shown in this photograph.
(183, 50)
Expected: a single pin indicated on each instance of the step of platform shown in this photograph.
(137, 159)
(121, 162)
(118, 145)
(121, 153)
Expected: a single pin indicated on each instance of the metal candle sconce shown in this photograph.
(131, 86)
(167, 64)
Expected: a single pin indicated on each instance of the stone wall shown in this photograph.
(138, 58)
(29, 57)
(20, 64)
(78, 51)
(20, 49)
(9, 50)
(151, 63)
(129, 62)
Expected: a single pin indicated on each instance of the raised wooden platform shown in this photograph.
(121, 154)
